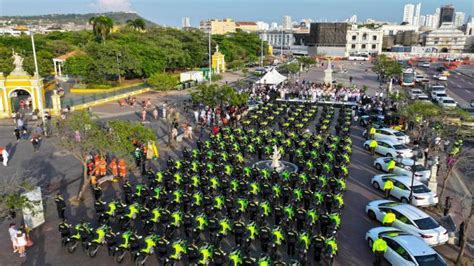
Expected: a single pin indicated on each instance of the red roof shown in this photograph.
(246, 23)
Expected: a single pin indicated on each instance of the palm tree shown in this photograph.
(102, 26)
(136, 24)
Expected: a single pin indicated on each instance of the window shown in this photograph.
(354, 37)
(364, 36)
(363, 46)
(374, 37)
(397, 248)
(426, 223)
(374, 46)
(400, 185)
(353, 46)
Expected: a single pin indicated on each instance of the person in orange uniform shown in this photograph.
(102, 167)
(97, 165)
(122, 168)
(113, 167)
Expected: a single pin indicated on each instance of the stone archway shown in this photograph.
(21, 100)
(444, 50)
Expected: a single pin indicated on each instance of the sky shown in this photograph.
(170, 12)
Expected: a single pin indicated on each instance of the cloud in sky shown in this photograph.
(114, 5)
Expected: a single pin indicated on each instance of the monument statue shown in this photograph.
(276, 157)
(328, 74)
(18, 62)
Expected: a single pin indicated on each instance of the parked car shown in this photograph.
(388, 133)
(435, 95)
(404, 166)
(425, 65)
(423, 97)
(404, 249)
(447, 102)
(440, 77)
(441, 69)
(375, 119)
(409, 219)
(390, 148)
(422, 195)
(414, 93)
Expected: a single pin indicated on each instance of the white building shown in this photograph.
(392, 29)
(185, 22)
(416, 17)
(278, 38)
(287, 25)
(437, 15)
(459, 19)
(408, 13)
(446, 39)
(262, 26)
(422, 21)
(364, 40)
(274, 26)
(430, 21)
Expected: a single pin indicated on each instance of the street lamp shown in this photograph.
(414, 157)
(40, 95)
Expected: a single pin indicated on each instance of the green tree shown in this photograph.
(123, 132)
(163, 81)
(136, 24)
(306, 61)
(93, 140)
(215, 95)
(11, 189)
(6, 61)
(291, 68)
(79, 65)
(102, 26)
(387, 67)
(422, 115)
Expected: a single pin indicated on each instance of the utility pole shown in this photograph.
(210, 56)
(261, 51)
(40, 95)
(281, 44)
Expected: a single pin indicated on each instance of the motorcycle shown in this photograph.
(79, 234)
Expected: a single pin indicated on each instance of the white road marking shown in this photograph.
(468, 91)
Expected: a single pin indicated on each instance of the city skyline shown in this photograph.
(165, 12)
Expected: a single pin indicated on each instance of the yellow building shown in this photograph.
(247, 26)
(270, 49)
(218, 62)
(219, 27)
(20, 88)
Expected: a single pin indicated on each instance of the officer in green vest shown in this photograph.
(388, 219)
(387, 188)
(391, 166)
(373, 145)
(372, 131)
(379, 248)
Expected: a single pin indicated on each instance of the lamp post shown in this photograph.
(40, 95)
(210, 57)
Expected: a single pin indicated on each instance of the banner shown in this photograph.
(34, 213)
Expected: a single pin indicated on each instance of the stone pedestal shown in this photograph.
(328, 74)
(56, 101)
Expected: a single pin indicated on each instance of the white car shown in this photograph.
(404, 249)
(436, 95)
(391, 134)
(425, 65)
(422, 195)
(447, 102)
(438, 88)
(440, 77)
(390, 148)
(409, 219)
(423, 97)
(403, 166)
(414, 93)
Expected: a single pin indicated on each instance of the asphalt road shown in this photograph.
(460, 87)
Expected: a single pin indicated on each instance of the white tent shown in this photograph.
(272, 77)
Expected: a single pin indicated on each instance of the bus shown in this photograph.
(408, 77)
(359, 57)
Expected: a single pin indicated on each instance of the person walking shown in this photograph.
(21, 242)
(12, 231)
(5, 156)
(379, 247)
(447, 206)
(60, 205)
(35, 140)
(155, 113)
(143, 115)
(17, 134)
(391, 166)
(387, 188)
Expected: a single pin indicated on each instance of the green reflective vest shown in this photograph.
(379, 245)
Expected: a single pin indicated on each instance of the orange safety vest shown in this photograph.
(122, 168)
(113, 167)
(103, 167)
(97, 166)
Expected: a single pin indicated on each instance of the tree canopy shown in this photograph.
(387, 67)
(163, 81)
(215, 95)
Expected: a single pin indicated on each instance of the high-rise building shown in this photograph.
(274, 26)
(416, 17)
(446, 15)
(353, 19)
(408, 13)
(287, 25)
(459, 19)
(185, 22)
(437, 15)
(422, 21)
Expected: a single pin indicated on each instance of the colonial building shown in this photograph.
(20, 91)
(216, 26)
(278, 39)
(446, 39)
(364, 40)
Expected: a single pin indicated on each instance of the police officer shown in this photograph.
(60, 205)
(379, 247)
(387, 188)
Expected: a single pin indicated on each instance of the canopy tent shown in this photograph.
(272, 77)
